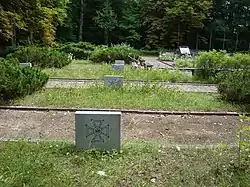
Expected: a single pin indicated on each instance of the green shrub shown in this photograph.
(115, 52)
(184, 63)
(81, 50)
(149, 52)
(209, 63)
(238, 61)
(235, 86)
(41, 57)
(17, 82)
(167, 56)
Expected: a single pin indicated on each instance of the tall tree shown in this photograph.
(81, 20)
(106, 19)
(185, 15)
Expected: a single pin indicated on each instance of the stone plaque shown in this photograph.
(25, 65)
(98, 130)
(115, 81)
(122, 62)
(118, 67)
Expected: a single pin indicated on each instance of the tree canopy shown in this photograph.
(149, 24)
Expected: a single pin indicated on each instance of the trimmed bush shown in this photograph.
(187, 63)
(115, 52)
(210, 63)
(17, 82)
(81, 50)
(41, 57)
(235, 86)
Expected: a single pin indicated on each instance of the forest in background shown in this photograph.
(144, 24)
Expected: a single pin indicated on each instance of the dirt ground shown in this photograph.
(196, 130)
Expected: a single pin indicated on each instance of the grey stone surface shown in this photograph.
(25, 65)
(118, 67)
(115, 81)
(98, 130)
(120, 62)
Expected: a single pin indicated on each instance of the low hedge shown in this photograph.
(41, 57)
(235, 86)
(81, 50)
(115, 52)
(17, 82)
(210, 62)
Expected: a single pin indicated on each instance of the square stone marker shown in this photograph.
(98, 130)
(120, 62)
(118, 67)
(25, 65)
(115, 81)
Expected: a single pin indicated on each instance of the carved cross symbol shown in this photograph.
(114, 82)
(98, 131)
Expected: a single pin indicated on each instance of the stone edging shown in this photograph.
(156, 112)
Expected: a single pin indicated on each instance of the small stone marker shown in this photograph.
(120, 62)
(25, 65)
(98, 130)
(118, 67)
(114, 81)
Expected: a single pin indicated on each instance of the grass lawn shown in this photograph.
(98, 71)
(144, 97)
(139, 164)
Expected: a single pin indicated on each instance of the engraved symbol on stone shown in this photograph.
(98, 131)
(115, 82)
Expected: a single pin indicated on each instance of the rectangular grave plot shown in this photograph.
(98, 130)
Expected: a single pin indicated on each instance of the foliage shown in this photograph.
(185, 14)
(17, 82)
(212, 62)
(41, 57)
(149, 53)
(130, 22)
(182, 62)
(235, 86)
(166, 56)
(115, 52)
(81, 50)
(106, 19)
(34, 19)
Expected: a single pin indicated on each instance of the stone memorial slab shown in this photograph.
(25, 65)
(98, 130)
(114, 81)
(120, 62)
(118, 67)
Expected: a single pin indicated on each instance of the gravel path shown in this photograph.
(203, 88)
(156, 64)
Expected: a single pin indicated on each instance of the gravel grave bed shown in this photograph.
(169, 129)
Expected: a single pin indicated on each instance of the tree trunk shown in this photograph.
(178, 42)
(106, 36)
(30, 38)
(13, 40)
(197, 41)
(224, 39)
(237, 41)
(80, 21)
(210, 39)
